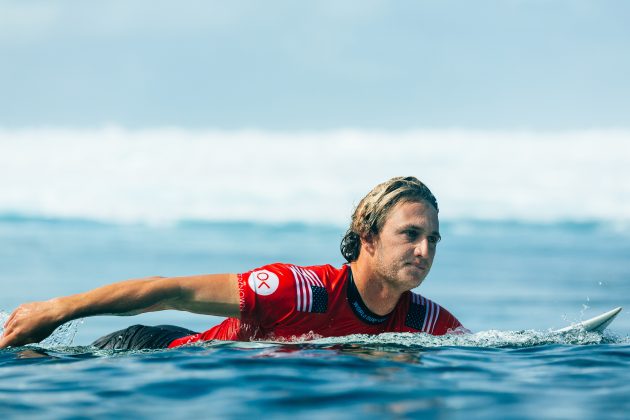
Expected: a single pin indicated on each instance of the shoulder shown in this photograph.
(271, 292)
(280, 281)
(317, 275)
(428, 316)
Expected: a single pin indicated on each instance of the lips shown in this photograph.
(419, 266)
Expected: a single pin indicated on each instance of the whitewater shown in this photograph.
(166, 175)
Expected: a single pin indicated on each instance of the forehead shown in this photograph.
(417, 213)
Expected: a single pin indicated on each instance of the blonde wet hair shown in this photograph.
(370, 215)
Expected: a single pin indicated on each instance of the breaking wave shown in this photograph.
(169, 175)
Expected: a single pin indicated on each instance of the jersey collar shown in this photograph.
(359, 307)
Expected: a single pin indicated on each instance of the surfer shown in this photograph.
(389, 246)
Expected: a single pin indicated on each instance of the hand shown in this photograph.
(31, 323)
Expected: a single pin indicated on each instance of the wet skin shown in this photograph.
(399, 258)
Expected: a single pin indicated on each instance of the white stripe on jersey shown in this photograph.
(304, 279)
(426, 313)
(431, 313)
(437, 315)
(429, 316)
(297, 289)
(315, 281)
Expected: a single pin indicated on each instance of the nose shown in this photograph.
(422, 248)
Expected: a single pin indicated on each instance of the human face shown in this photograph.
(403, 251)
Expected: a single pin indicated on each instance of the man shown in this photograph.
(389, 246)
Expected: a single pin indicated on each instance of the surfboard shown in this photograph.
(596, 324)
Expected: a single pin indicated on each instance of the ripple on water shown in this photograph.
(372, 376)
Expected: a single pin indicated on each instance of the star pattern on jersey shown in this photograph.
(320, 299)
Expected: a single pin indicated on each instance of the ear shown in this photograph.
(368, 243)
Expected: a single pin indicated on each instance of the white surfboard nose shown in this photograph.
(596, 324)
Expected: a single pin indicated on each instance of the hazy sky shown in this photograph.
(291, 65)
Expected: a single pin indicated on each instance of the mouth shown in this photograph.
(422, 267)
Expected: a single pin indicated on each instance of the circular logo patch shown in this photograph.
(263, 282)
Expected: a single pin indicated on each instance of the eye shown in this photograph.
(434, 239)
(412, 235)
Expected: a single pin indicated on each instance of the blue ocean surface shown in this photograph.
(511, 283)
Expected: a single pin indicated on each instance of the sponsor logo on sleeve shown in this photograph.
(263, 282)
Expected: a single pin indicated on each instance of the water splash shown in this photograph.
(3, 318)
(490, 338)
(585, 307)
(63, 335)
(484, 339)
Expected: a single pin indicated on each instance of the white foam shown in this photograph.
(490, 338)
(165, 175)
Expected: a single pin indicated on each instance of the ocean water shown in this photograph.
(536, 236)
(511, 283)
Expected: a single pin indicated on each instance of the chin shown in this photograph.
(413, 281)
(417, 283)
(417, 274)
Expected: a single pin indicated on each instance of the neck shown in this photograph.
(375, 292)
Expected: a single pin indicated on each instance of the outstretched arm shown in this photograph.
(213, 294)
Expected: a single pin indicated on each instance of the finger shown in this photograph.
(7, 325)
(6, 341)
(15, 316)
(15, 339)
(11, 318)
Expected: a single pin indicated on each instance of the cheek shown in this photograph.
(405, 255)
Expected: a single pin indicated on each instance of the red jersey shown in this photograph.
(283, 301)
